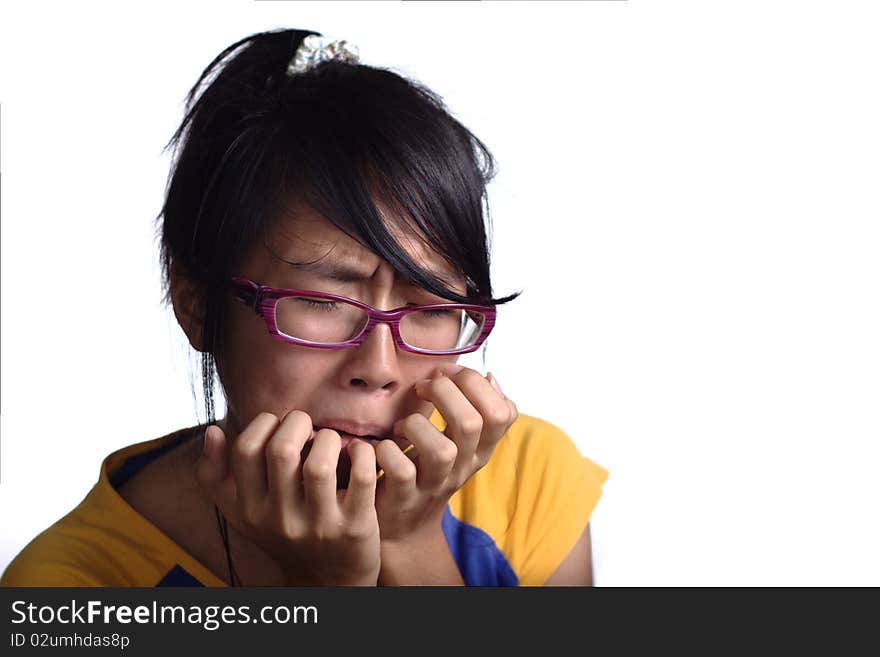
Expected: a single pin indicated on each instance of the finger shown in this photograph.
(360, 496)
(284, 455)
(319, 474)
(514, 411)
(494, 382)
(436, 452)
(464, 424)
(409, 449)
(426, 407)
(249, 460)
(447, 369)
(498, 412)
(213, 474)
(399, 478)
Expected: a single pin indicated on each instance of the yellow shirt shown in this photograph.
(513, 522)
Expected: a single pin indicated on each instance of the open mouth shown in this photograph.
(343, 466)
(348, 437)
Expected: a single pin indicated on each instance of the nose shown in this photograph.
(373, 364)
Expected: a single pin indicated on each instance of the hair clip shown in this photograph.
(315, 49)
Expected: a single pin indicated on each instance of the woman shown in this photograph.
(324, 249)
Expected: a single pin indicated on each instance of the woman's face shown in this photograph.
(369, 385)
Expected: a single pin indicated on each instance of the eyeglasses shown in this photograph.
(329, 321)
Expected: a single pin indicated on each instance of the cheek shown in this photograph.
(421, 369)
(426, 369)
(266, 375)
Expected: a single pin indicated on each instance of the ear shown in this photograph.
(188, 303)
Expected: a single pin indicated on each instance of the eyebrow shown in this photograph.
(334, 271)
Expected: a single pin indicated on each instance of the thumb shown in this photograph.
(213, 473)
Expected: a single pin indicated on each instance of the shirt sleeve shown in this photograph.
(557, 490)
(36, 565)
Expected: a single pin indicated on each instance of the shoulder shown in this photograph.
(558, 489)
(65, 554)
(106, 540)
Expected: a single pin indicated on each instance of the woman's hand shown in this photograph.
(413, 494)
(289, 506)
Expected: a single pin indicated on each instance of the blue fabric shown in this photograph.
(478, 558)
(177, 576)
(133, 464)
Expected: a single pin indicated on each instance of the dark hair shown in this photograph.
(342, 137)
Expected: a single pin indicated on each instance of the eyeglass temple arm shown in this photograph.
(248, 294)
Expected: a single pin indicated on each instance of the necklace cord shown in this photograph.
(224, 536)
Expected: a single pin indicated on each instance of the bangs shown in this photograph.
(343, 144)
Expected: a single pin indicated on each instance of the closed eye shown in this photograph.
(323, 305)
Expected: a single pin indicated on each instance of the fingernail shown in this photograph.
(494, 383)
(450, 369)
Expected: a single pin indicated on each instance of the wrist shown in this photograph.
(411, 545)
(423, 559)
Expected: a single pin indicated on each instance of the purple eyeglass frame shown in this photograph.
(262, 299)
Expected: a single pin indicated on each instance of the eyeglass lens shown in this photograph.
(323, 321)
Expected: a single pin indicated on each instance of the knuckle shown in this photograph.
(245, 448)
(250, 516)
(500, 414)
(284, 450)
(408, 472)
(447, 452)
(467, 374)
(362, 478)
(413, 421)
(356, 531)
(471, 424)
(327, 532)
(318, 470)
(405, 474)
(288, 530)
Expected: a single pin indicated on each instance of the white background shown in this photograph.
(688, 196)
